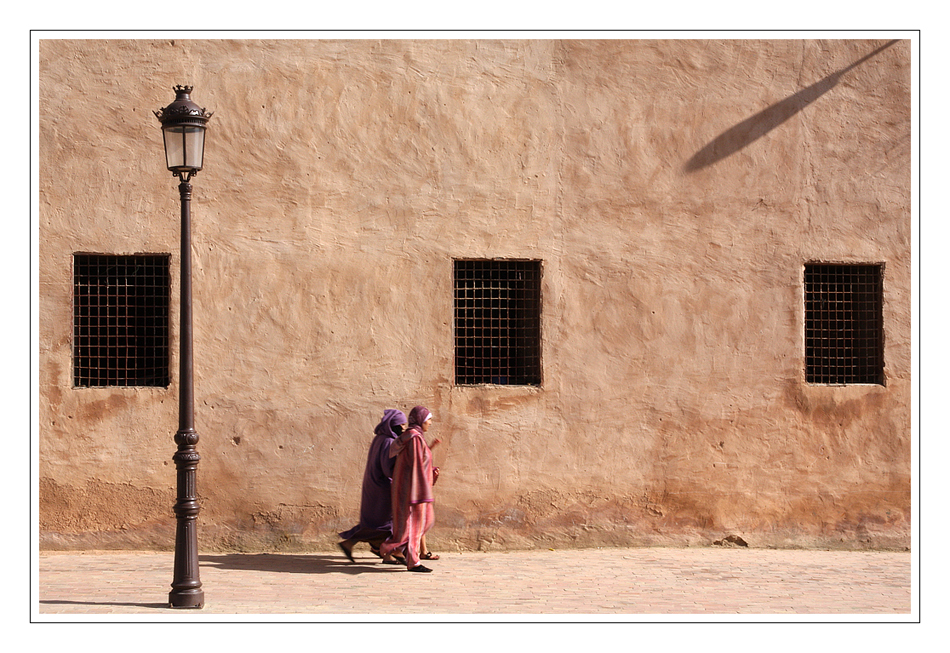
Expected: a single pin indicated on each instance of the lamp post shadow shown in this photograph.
(755, 127)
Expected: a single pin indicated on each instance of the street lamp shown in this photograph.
(183, 127)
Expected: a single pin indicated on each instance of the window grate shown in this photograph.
(120, 320)
(498, 322)
(844, 334)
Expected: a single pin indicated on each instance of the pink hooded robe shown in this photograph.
(413, 512)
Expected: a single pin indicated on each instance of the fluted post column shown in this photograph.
(186, 585)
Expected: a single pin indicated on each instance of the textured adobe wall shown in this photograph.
(673, 191)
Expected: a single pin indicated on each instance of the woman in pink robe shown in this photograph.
(413, 476)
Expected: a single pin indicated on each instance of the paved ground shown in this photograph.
(610, 584)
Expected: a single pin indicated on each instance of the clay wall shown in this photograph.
(673, 191)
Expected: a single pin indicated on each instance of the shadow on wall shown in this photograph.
(751, 129)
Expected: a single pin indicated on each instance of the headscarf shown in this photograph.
(391, 418)
(379, 466)
(417, 416)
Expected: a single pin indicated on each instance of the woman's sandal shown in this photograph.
(395, 560)
(428, 555)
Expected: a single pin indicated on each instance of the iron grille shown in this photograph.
(844, 326)
(120, 320)
(498, 322)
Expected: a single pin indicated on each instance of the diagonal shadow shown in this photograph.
(296, 563)
(751, 129)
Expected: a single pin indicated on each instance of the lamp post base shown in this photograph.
(194, 599)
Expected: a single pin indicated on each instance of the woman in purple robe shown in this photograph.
(376, 508)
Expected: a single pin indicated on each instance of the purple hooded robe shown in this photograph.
(376, 508)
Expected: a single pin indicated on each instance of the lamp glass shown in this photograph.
(184, 147)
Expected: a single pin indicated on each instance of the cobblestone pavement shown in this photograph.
(649, 584)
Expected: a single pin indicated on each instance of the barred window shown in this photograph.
(120, 320)
(844, 326)
(498, 322)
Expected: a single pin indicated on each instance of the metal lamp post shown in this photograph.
(183, 127)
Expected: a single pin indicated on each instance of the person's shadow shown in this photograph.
(297, 563)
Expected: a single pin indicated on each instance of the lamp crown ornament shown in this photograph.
(182, 107)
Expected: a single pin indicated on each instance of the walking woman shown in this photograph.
(413, 476)
(376, 508)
